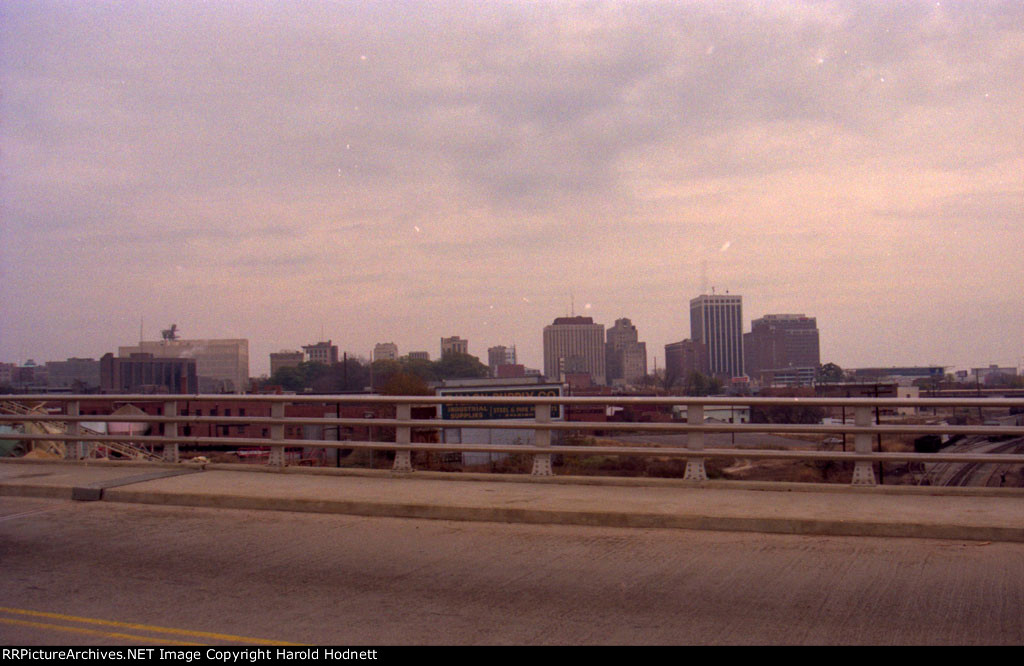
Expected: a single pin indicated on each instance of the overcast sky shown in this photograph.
(403, 171)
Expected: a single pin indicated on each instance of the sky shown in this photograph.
(288, 171)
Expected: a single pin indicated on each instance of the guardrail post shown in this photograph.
(542, 461)
(74, 449)
(171, 430)
(695, 442)
(276, 458)
(863, 473)
(403, 435)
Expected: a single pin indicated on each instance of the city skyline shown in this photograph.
(288, 172)
(326, 349)
(260, 366)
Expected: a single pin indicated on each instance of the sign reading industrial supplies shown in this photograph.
(494, 411)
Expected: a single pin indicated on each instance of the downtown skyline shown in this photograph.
(410, 171)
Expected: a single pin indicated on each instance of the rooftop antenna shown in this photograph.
(141, 321)
(572, 304)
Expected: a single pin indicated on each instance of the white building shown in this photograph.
(574, 345)
(221, 365)
(385, 351)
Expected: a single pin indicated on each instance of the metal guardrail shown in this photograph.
(863, 429)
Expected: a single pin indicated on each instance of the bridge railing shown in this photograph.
(67, 409)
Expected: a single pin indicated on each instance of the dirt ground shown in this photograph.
(736, 468)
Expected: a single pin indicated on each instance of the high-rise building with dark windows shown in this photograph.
(782, 346)
(222, 365)
(716, 320)
(683, 358)
(142, 372)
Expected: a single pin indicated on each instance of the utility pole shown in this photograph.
(881, 469)
(977, 386)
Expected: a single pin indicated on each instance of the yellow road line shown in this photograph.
(93, 632)
(145, 627)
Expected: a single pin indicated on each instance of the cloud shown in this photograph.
(282, 148)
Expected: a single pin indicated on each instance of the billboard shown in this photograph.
(496, 411)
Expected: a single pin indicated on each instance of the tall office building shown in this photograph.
(574, 345)
(500, 355)
(683, 358)
(716, 320)
(454, 345)
(782, 348)
(625, 355)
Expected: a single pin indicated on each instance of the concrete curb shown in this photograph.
(801, 526)
(93, 492)
(118, 482)
(634, 481)
(35, 490)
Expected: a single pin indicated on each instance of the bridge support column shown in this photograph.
(73, 449)
(695, 442)
(171, 430)
(277, 433)
(403, 435)
(542, 461)
(863, 473)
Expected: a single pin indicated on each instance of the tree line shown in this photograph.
(405, 376)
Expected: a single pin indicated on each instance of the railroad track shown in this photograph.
(973, 474)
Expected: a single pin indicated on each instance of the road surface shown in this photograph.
(102, 573)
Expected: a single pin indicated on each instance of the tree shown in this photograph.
(419, 367)
(300, 377)
(353, 374)
(349, 375)
(669, 379)
(404, 383)
(787, 414)
(698, 384)
(460, 366)
(383, 370)
(830, 373)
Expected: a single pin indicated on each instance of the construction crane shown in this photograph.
(58, 448)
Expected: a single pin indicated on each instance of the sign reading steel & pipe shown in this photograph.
(490, 412)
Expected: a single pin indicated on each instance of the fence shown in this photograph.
(864, 428)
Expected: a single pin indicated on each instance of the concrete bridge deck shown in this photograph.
(780, 508)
